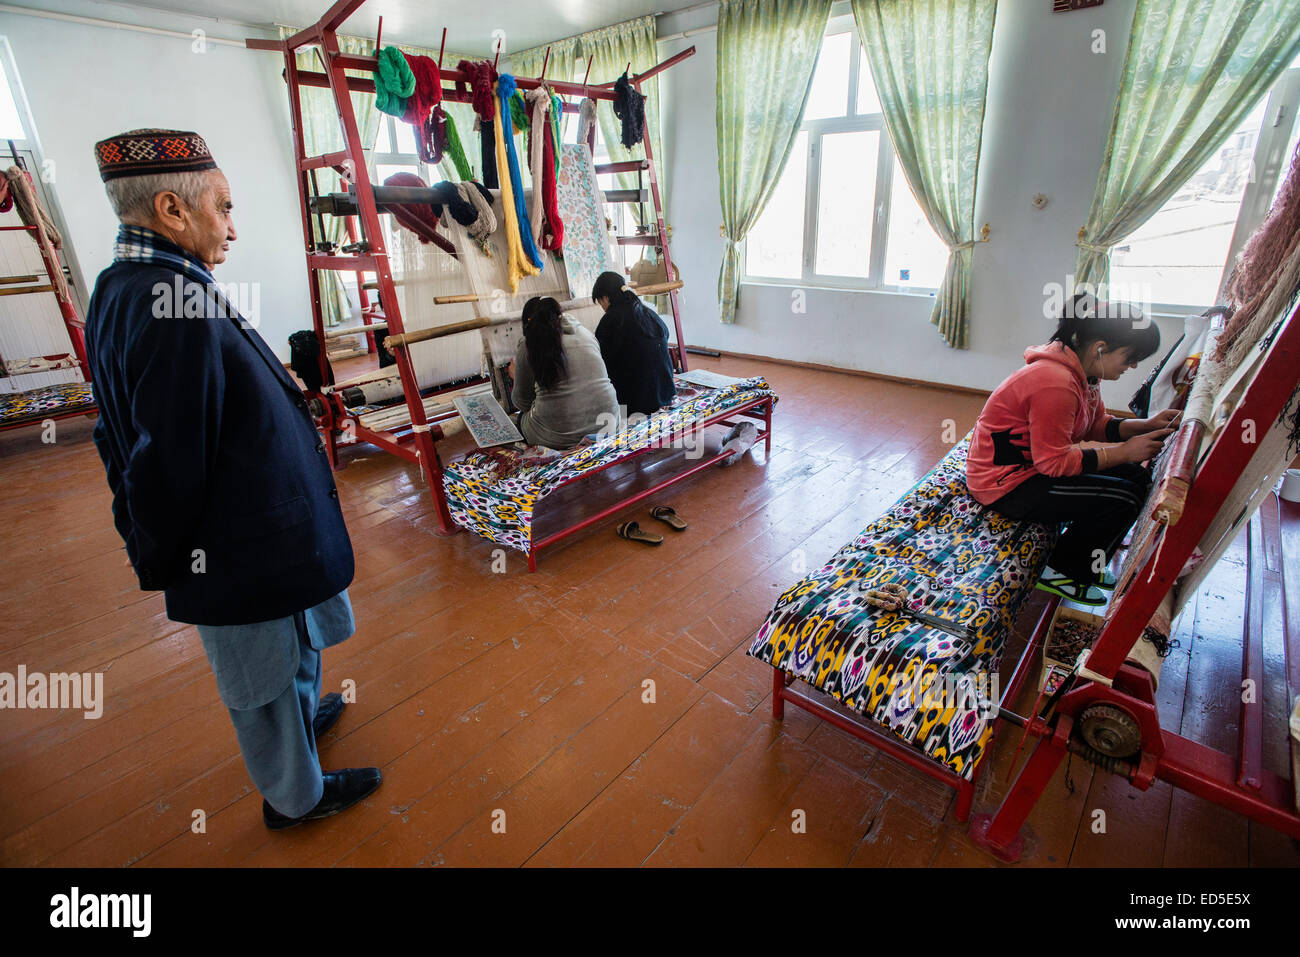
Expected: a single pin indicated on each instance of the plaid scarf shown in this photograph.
(136, 244)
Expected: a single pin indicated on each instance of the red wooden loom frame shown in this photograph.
(75, 325)
(1238, 782)
(415, 441)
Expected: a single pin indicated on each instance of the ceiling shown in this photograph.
(469, 25)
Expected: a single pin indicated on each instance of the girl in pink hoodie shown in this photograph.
(1025, 459)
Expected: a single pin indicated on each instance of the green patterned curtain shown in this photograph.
(766, 53)
(610, 50)
(559, 66)
(322, 133)
(1194, 68)
(930, 63)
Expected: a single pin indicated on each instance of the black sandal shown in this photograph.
(669, 517)
(633, 533)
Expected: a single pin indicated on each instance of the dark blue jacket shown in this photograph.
(634, 344)
(221, 487)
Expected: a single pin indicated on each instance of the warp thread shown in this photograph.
(1259, 265)
(630, 108)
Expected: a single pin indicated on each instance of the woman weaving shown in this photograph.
(561, 386)
(1025, 459)
(634, 344)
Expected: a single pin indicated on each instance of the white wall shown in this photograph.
(1049, 110)
(85, 83)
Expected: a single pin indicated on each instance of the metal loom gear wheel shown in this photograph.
(1110, 730)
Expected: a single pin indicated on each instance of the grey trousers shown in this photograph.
(276, 739)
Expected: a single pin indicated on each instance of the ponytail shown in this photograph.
(611, 286)
(542, 334)
(1085, 319)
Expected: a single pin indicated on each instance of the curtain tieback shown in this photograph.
(972, 243)
(1094, 247)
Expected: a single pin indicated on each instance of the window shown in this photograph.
(842, 214)
(1178, 259)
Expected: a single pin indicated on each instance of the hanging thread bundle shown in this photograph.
(630, 108)
(394, 81)
(482, 86)
(524, 258)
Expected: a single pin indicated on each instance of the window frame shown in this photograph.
(850, 122)
(1268, 165)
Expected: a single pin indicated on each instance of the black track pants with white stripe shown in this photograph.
(1099, 508)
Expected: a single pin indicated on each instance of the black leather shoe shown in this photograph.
(327, 712)
(342, 790)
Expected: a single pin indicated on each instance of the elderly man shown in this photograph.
(221, 489)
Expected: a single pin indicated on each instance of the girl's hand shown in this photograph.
(1163, 420)
(1144, 446)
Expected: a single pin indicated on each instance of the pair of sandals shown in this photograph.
(635, 533)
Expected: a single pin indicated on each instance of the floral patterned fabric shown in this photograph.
(493, 492)
(587, 251)
(926, 673)
(37, 404)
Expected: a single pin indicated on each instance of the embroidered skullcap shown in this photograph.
(149, 152)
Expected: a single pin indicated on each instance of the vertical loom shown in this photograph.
(1107, 711)
(56, 285)
(416, 438)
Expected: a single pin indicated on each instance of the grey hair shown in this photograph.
(132, 196)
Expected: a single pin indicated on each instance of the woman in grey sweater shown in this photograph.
(561, 384)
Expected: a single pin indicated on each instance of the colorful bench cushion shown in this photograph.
(493, 492)
(37, 404)
(927, 673)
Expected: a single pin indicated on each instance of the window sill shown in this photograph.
(819, 287)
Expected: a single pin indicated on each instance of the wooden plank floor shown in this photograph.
(524, 699)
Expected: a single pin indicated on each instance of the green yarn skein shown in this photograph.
(394, 82)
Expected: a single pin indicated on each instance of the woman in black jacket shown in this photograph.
(634, 344)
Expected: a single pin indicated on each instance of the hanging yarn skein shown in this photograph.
(630, 108)
(524, 258)
(394, 81)
(553, 226)
(586, 118)
(538, 102)
(447, 140)
(424, 98)
(482, 85)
